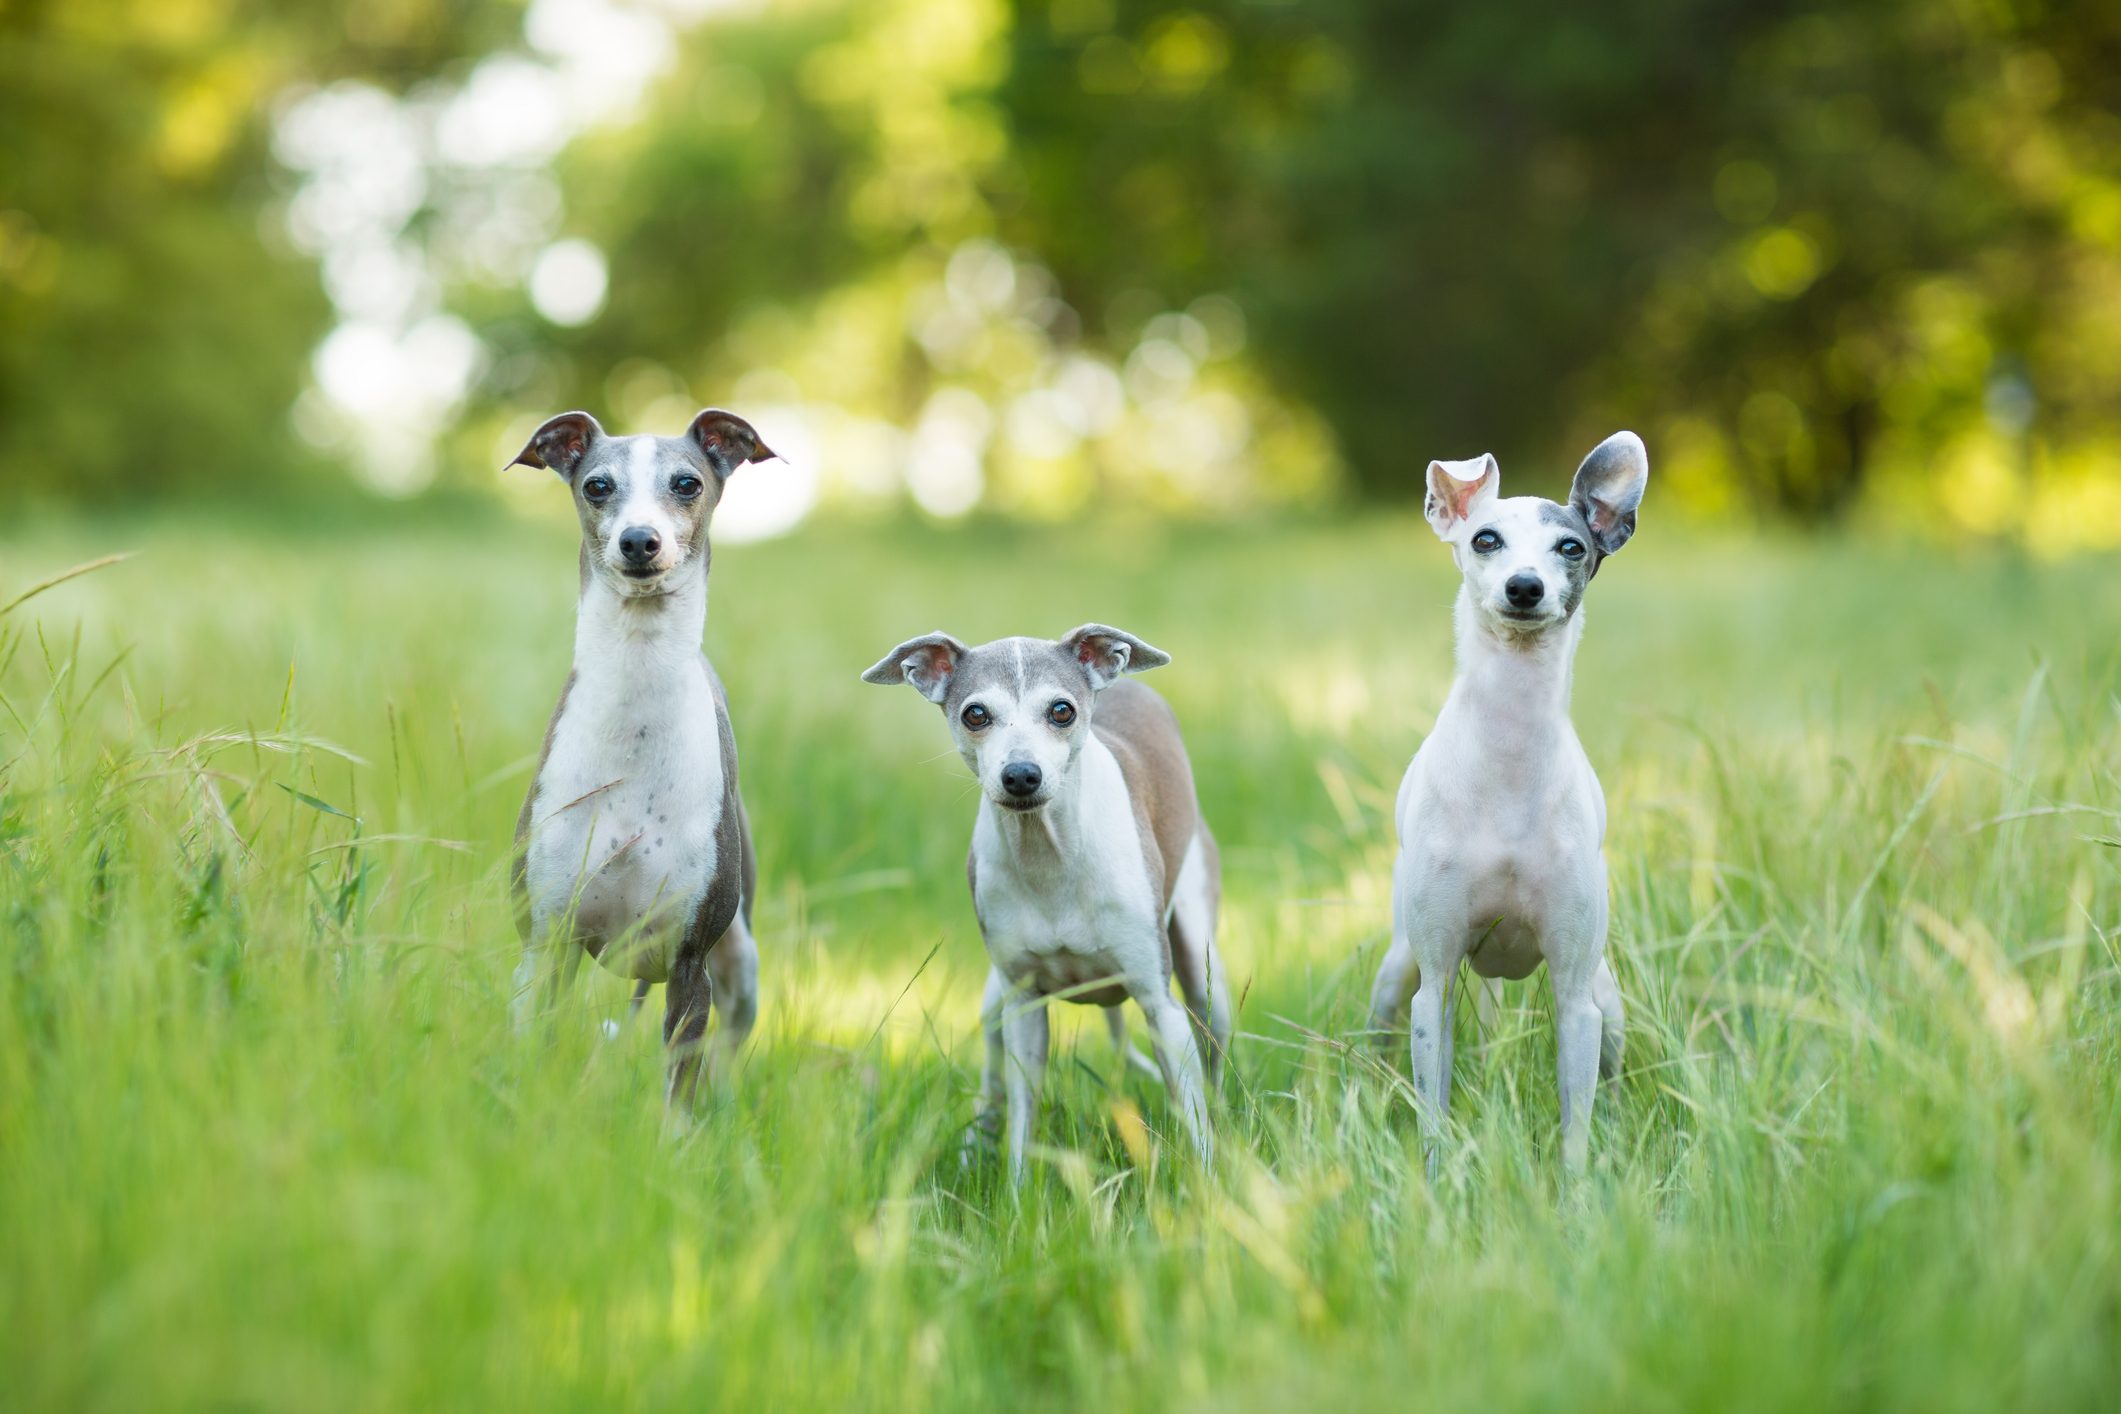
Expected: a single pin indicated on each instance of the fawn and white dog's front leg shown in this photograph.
(1024, 1041)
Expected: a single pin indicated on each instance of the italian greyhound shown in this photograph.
(1093, 875)
(633, 845)
(1501, 819)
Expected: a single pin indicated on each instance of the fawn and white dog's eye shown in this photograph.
(975, 718)
(1571, 549)
(685, 486)
(1061, 713)
(1486, 543)
(597, 490)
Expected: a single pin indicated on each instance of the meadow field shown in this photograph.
(267, 1140)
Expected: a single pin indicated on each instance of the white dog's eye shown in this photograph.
(1571, 549)
(1486, 543)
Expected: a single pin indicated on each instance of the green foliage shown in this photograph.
(266, 1137)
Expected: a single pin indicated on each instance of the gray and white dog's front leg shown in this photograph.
(688, 997)
(733, 972)
(1024, 1040)
(1178, 1056)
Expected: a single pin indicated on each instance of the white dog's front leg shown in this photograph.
(1577, 1023)
(1024, 1037)
(1429, 1035)
(1178, 1056)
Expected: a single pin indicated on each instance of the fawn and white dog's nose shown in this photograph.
(1022, 779)
(638, 544)
(1524, 591)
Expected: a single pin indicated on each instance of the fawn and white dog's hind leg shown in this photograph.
(1195, 957)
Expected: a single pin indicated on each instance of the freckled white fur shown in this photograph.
(1502, 825)
(627, 805)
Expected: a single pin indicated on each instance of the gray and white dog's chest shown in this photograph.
(626, 809)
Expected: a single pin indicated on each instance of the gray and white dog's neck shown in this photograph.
(668, 625)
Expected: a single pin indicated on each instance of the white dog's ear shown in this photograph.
(560, 444)
(1608, 488)
(925, 662)
(1106, 652)
(1456, 489)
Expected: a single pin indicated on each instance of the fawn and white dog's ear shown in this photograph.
(1106, 652)
(1456, 489)
(1608, 488)
(727, 440)
(560, 444)
(925, 662)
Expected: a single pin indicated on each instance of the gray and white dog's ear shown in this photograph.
(1608, 488)
(925, 663)
(727, 440)
(1106, 652)
(560, 444)
(1456, 489)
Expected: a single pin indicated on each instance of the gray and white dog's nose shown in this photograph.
(1021, 778)
(638, 543)
(1524, 590)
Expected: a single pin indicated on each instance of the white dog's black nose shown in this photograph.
(1021, 778)
(638, 543)
(1524, 590)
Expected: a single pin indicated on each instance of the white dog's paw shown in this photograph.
(610, 1029)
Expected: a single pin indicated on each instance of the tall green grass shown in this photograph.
(267, 1140)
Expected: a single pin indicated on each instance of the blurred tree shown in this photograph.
(1805, 242)
(152, 332)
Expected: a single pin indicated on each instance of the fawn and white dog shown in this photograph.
(1501, 819)
(633, 844)
(1093, 875)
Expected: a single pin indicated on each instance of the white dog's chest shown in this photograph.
(624, 820)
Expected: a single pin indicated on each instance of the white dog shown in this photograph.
(1501, 819)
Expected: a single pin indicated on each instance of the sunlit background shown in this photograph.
(1839, 264)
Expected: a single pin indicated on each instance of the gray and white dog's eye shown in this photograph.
(1571, 549)
(597, 489)
(686, 486)
(975, 718)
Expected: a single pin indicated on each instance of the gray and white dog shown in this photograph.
(1501, 819)
(633, 844)
(1093, 875)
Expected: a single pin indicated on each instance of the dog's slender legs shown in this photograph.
(1397, 977)
(993, 1095)
(1179, 1057)
(733, 969)
(688, 997)
(1613, 1018)
(1024, 1037)
(1200, 978)
(1429, 1042)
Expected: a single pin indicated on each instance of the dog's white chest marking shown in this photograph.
(624, 821)
(1075, 907)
